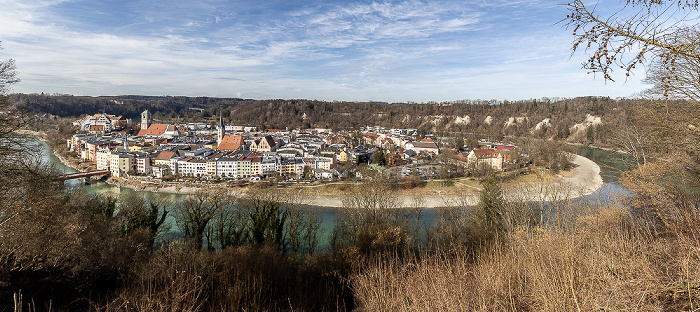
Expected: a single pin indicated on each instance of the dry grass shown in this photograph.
(609, 261)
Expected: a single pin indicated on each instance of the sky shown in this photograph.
(391, 51)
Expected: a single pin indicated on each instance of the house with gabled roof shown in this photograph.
(97, 129)
(486, 157)
(159, 130)
(264, 144)
(163, 158)
(230, 143)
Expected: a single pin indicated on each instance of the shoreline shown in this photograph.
(41, 137)
(584, 180)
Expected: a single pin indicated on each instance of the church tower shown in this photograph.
(126, 143)
(145, 120)
(220, 129)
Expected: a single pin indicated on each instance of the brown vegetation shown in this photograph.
(639, 257)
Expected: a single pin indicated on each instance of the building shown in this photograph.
(163, 158)
(418, 147)
(159, 130)
(102, 159)
(227, 167)
(103, 120)
(230, 143)
(192, 167)
(143, 164)
(145, 120)
(269, 165)
(490, 157)
(121, 164)
(160, 171)
(264, 144)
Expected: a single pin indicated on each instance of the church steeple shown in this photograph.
(126, 143)
(220, 129)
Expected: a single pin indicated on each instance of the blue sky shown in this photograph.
(392, 51)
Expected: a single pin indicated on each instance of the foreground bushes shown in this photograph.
(235, 279)
(643, 254)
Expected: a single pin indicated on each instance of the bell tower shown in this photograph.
(145, 120)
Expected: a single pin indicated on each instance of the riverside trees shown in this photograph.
(260, 218)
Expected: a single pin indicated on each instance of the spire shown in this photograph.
(220, 128)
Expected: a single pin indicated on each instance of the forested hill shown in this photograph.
(577, 119)
(129, 106)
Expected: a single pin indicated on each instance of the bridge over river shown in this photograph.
(81, 175)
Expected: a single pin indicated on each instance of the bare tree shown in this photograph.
(229, 226)
(195, 212)
(365, 220)
(634, 142)
(303, 225)
(660, 29)
(136, 214)
(13, 147)
(679, 78)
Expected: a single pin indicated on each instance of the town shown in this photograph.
(201, 151)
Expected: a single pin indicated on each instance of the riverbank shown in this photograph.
(42, 137)
(583, 180)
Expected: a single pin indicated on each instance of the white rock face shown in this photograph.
(590, 121)
(488, 120)
(545, 122)
(512, 121)
(462, 120)
(436, 119)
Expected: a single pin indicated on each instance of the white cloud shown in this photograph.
(393, 51)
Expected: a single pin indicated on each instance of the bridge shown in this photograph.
(79, 175)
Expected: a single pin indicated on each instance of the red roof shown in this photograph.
(486, 153)
(165, 155)
(154, 130)
(231, 142)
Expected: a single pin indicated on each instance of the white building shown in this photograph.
(192, 167)
(143, 164)
(102, 156)
(227, 167)
(270, 165)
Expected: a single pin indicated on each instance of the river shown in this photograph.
(612, 165)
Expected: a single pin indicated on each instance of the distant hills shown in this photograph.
(582, 119)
